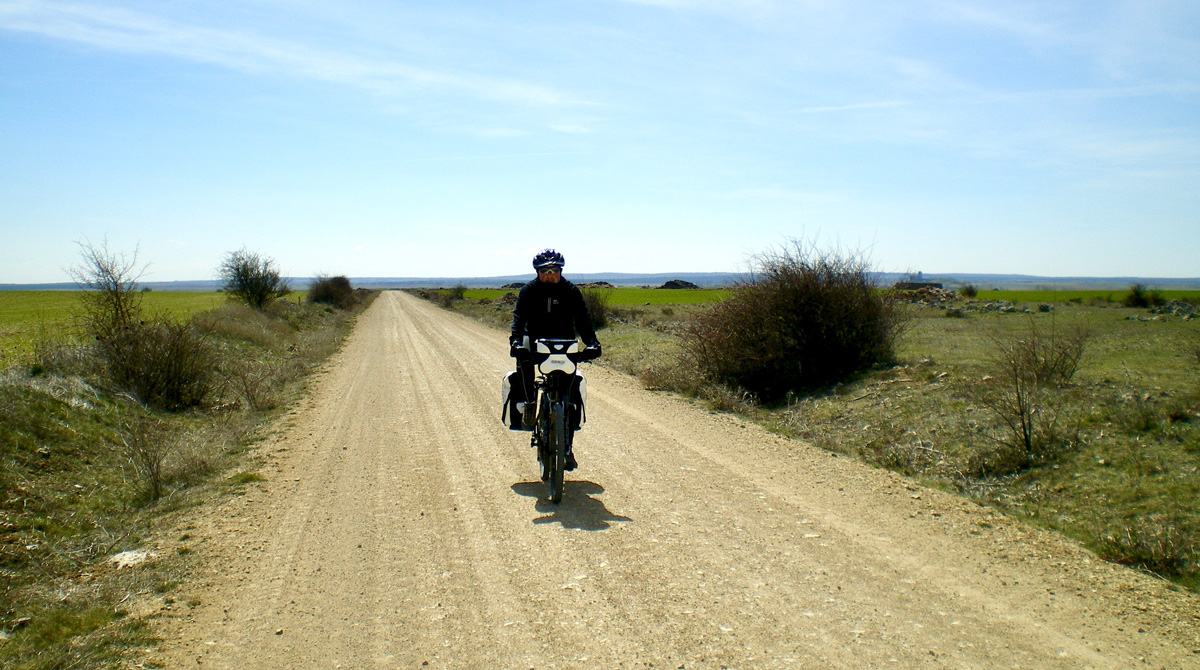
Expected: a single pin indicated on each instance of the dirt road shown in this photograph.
(400, 525)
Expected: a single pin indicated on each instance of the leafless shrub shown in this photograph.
(54, 355)
(252, 278)
(1026, 369)
(146, 448)
(256, 384)
(1049, 357)
(111, 301)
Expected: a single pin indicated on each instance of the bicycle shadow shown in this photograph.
(578, 509)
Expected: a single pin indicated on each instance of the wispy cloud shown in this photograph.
(885, 104)
(571, 129)
(1008, 19)
(130, 31)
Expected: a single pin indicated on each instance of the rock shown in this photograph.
(679, 283)
(131, 558)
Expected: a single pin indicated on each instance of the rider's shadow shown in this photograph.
(578, 508)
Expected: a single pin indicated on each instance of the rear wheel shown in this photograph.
(557, 455)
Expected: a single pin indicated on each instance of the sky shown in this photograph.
(374, 138)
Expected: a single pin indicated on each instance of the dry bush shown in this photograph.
(1046, 356)
(808, 319)
(146, 448)
(910, 457)
(1164, 545)
(160, 362)
(1026, 369)
(334, 291)
(257, 383)
(252, 278)
(671, 373)
(111, 301)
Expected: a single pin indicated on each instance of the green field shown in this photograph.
(629, 297)
(1103, 296)
(625, 297)
(27, 317)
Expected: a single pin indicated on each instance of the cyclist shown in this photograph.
(549, 306)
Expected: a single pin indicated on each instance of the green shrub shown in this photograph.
(806, 320)
(597, 301)
(1140, 296)
(334, 291)
(968, 291)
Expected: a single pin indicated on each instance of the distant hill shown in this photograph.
(701, 279)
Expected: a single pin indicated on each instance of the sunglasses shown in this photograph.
(549, 271)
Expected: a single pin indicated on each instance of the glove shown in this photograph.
(592, 350)
(516, 350)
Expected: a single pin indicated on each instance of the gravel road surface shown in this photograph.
(400, 525)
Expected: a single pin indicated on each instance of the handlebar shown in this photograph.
(544, 348)
(588, 354)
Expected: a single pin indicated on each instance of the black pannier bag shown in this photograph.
(512, 398)
(512, 401)
(576, 406)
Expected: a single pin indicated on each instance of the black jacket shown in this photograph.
(545, 310)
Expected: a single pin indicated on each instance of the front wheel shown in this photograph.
(557, 451)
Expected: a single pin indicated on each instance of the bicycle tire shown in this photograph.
(542, 437)
(557, 451)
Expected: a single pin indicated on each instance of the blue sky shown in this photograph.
(373, 138)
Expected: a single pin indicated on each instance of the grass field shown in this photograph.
(624, 296)
(629, 297)
(27, 317)
(1113, 297)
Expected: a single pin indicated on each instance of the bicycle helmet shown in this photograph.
(547, 258)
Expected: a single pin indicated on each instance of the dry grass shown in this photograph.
(88, 471)
(1119, 439)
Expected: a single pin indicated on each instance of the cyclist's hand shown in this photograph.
(517, 351)
(593, 350)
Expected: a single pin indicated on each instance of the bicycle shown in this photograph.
(557, 363)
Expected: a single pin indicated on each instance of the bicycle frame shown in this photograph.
(557, 363)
